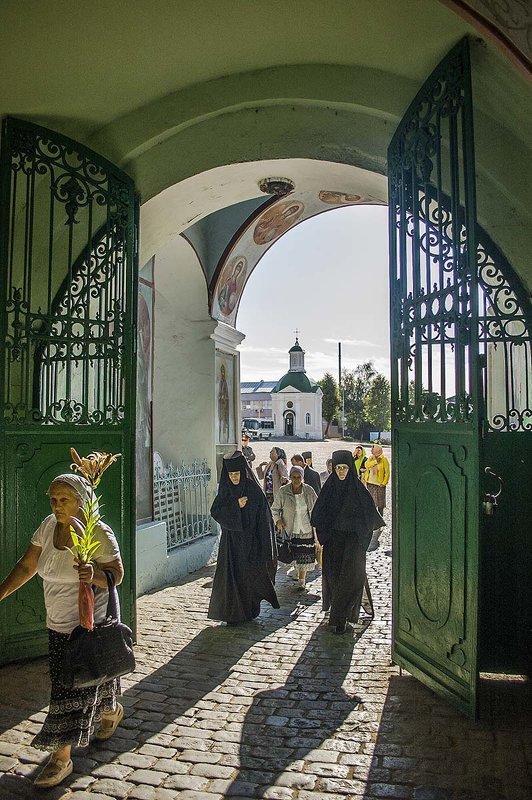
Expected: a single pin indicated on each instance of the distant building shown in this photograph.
(294, 402)
(256, 399)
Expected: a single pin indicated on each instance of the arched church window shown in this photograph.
(307, 419)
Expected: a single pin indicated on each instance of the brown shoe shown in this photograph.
(106, 731)
(54, 771)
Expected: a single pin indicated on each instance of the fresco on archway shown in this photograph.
(338, 198)
(263, 229)
(276, 220)
(231, 283)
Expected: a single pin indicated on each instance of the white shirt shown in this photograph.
(60, 579)
(301, 520)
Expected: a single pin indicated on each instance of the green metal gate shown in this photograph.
(436, 384)
(68, 250)
(462, 408)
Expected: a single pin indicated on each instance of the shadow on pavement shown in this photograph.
(283, 725)
(153, 703)
(428, 751)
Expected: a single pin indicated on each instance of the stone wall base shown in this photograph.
(157, 568)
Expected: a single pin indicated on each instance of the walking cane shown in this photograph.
(368, 598)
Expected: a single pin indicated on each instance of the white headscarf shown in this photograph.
(80, 486)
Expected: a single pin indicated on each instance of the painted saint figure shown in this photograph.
(277, 220)
(230, 290)
(223, 407)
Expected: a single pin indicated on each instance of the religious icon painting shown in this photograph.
(230, 285)
(225, 398)
(276, 220)
(338, 198)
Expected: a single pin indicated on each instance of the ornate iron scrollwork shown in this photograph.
(69, 303)
(449, 309)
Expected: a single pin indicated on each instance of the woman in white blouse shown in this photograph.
(73, 713)
(291, 511)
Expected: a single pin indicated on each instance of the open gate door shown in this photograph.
(436, 385)
(68, 293)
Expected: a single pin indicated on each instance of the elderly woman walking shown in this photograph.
(273, 474)
(344, 517)
(291, 512)
(246, 564)
(73, 713)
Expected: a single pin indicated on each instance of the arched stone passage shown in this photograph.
(323, 113)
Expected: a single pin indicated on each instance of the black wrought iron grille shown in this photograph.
(432, 217)
(67, 259)
(505, 335)
(504, 332)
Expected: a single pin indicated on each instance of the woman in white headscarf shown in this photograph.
(291, 512)
(73, 714)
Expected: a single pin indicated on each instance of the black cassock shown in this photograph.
(246, 564)
(344, 517)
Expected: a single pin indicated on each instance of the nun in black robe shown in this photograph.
(246, 566)
(345, 517)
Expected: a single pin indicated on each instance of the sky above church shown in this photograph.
(327, 278)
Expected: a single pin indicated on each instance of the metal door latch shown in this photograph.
(489, 501)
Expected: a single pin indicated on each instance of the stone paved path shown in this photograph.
(279, 709)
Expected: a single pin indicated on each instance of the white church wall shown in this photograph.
(183, 402)
(302, 404)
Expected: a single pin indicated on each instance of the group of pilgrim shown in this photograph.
(336, 517)
(343, 516)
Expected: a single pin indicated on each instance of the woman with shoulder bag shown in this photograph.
(291, 512)
(73, 713)
(273, 474)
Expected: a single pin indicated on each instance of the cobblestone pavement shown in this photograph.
(280, 708)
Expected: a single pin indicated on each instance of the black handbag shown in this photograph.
(94, 657)
(284, 551)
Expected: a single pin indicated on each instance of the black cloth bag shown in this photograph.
(284, 551)
(94, 657)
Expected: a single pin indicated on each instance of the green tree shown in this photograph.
(378, 403)
(331, 400)
(355, 384)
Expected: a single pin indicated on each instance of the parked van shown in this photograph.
(258, 428)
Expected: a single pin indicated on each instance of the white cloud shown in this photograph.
(248, 348)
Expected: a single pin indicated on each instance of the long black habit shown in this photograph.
(246, 564)
(344, 517)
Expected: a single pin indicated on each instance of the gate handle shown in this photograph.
(489, 471)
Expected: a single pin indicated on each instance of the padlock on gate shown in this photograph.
(489, 501)
(489, 505)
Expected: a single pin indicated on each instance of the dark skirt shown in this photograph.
(343, 576)
(303, 549)
(240, 583)
(73, 714)
(378, 494)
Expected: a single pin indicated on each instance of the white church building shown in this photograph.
(297, 400)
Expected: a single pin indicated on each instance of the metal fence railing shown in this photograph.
(180, 499)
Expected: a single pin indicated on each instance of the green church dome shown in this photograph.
(299, 380)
